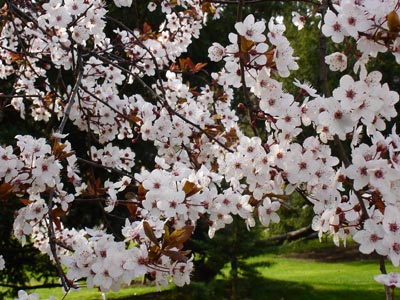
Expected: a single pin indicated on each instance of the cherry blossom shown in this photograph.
(333, 28)
(337, 61)
(267, 212)
(392, 279)
(251, 30)
(2, 263)
(216, 52)
(22, 295)
(298, 20)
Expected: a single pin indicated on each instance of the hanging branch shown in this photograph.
(323, 76)
(51, 231)
(100, 166)
(239, 18)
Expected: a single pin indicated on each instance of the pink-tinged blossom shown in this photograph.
(381, 174)
(181, 272)
(333, 28)
(336, 119)
(284, 59)
(391, 279)
(350, 92)
(336, 61)
(305, 87)
(46, 172)
(172, 203)
(217, 221)
(298, 20)
(354, 20)
(276, 30)
(267, 212)
(22, 295)
(391, 220)
(137, 261)
(2, 262)
(216, 52)
(251, 30)
(59, 17)
(123, 3)
(392, 243)
(152, 6)
(265, 86)
(76, 7)
(371, 238)
(358, 171)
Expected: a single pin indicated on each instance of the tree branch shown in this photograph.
(245, 90)
(97, 165)
(259, 1)
(382, 268)
(325, 87)
(30, 287)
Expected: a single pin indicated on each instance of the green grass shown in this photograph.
(280, 276)
(95, 294)
(288, 278)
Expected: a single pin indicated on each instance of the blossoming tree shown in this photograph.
(71, 65)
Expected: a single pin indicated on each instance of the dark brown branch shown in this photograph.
(51, 231)
(30, 287)
(73, 94)
(382, 268)
(245, 90)
(325, 86)
(289, 236)
(53, 242)
(259, 1)
(100, 166)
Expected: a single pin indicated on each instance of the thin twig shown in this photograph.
(52, 236)
(325, 86)
(258, 1)
(382, 268)
(97, 165)
(245, 90)
(73, 95)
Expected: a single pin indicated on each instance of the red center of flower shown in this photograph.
(350, 94)
(393, 227)
(337, 27)
(338, 115)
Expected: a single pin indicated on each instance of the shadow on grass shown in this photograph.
(257, 288)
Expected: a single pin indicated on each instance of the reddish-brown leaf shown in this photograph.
(149, 232)
(146, 28)
(179, 236)
(5, 190)
(191, 188)
(175, 255)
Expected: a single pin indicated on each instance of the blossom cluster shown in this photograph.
(207, 165)
(373, 24)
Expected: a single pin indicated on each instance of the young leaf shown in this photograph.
(191, 188)
(175, 255)
(149, 232)
(5, 190)
(179, 236)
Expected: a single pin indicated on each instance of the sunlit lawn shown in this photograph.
(93, 294)
(284, 278)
